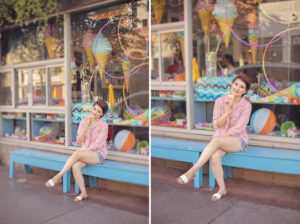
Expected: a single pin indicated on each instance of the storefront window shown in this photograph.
(164, 11)
(48, 128)
(32, 43)
(110, 61)
(57, 85)
(5, 88)
(39, 86)
(23, 86)
(230, 37)
(171, 54)
(168, 109)
(155, 54)
(14, 125)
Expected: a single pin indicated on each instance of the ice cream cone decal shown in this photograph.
(111, 95)
(51, 41)
(125, 68)
(158, 9)
(225, 14)
(204, 9)
(253, 34)
(101, 49)
(87, 44)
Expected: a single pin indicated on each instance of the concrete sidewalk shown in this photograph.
(26, 200)
(181, 204)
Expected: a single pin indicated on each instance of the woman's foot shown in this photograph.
(185, 178)
(52, 182)
(217, 196)
(80, 197)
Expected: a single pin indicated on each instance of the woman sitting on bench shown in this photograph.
(230, 118)
(92, 134)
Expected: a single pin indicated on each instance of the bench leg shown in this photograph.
(77, 190)
(227, 172)
(27, 169)
(93, 182)
(212, 180)
(198, 181)
(11, 168)
(67, 182)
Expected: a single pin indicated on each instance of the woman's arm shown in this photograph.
(219, 119)
(100, 139)
(242, 122)
(82, 129)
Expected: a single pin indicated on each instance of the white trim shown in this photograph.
(168, 85)
(188, 46)
(167, 26)
(44, 110)
(34, 64)
(67, 86)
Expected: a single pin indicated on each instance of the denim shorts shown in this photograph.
(243, 143)
(100, 157)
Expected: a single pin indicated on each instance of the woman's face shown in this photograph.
(97, 111)
(238, 88)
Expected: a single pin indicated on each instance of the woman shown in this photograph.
(230, 118)
(92, 134)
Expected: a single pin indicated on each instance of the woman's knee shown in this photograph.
(76, 168)
(76, 154)
(216, 141)
(215, 159)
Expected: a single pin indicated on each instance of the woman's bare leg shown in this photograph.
(217, 169)
(226, 143)
(76, 168)
(88, 157)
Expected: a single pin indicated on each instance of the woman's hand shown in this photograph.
(88, 122)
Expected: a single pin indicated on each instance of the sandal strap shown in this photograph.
(184, 178)
(217, 195)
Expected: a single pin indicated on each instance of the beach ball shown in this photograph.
(124, 140)
(263, 121)
(160, 112)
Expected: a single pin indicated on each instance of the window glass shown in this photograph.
(5, 88)
(14, 125)
(57, 85)
(32, 43)
(167, 11)
(110, 61)
(23, 86)
(49, 128)
(230, 37)
(39, 86)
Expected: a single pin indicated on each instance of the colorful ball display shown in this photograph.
(264, 89)
(263, 121)
(124, 140)
(160, 112)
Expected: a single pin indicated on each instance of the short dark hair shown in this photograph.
(245, 78)
(229, 58)
(103, 105)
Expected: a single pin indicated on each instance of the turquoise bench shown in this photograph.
(262, 159)
(117, 171)
(39, 159)
(179, 150)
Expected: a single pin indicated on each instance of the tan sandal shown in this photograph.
(217, 196)
(184, 179)
(50, 183)
(80, 198)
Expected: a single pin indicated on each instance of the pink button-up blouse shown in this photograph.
(95, 137)
(236, 122)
